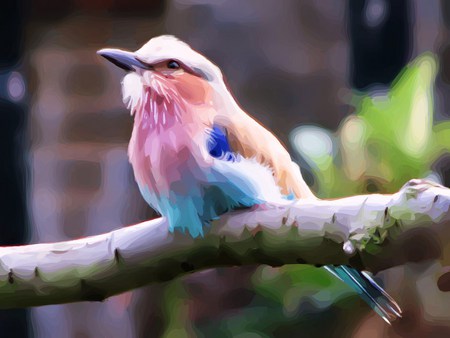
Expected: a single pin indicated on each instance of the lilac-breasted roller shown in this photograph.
(196, 154)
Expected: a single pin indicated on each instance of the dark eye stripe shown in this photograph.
(173, 64)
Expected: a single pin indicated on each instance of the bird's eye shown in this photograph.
(173, 65)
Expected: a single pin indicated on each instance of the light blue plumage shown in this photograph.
(196, 154)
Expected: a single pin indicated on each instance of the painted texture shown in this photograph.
(309, 232)
(183, 111)
(177, 113)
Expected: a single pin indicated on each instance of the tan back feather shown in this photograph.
(252, 140)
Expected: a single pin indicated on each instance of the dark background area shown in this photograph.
(64, 132)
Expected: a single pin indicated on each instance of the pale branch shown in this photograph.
(371, 232)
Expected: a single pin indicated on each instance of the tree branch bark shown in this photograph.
(371, 232)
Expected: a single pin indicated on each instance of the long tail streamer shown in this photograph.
(369, 290)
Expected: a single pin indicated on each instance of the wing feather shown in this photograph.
(251, 140)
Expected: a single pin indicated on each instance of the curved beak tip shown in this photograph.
(122, 59)
(102, 51)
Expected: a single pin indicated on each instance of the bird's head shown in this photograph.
(165, 77)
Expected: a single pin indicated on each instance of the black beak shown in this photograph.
(123, 59)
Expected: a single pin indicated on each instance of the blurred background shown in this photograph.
(357, 90)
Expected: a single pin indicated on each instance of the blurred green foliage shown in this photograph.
(390, 139)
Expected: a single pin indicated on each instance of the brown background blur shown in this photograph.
(287, 62)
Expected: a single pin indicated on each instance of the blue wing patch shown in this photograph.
(218, 146)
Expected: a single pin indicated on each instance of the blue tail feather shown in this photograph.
(383, 304)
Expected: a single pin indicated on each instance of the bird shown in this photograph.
(196, 154)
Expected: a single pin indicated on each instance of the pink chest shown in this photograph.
(161, 157)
